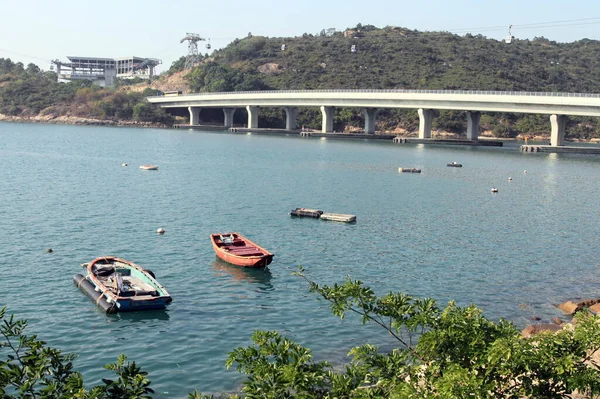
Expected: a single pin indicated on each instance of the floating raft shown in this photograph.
(409, 170)
(305, 212)
(339, 217)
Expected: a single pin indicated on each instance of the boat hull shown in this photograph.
(152, 297)
(305, 212)
(248, 255)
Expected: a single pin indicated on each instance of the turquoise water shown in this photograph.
(440, 233)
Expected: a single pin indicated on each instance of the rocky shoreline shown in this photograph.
(569, 308)
(76, 120)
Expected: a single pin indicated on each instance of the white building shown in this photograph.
(103, 71)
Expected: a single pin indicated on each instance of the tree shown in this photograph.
(32, 69)
(177, 65)
(458, 354)
(30, 370)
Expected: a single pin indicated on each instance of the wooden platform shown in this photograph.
(560, 149)
(476, 143)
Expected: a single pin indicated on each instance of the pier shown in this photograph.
(559, 150)
(349, 136)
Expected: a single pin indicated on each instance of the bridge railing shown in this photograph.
(465, 92)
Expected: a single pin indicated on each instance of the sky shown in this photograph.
(41, 30)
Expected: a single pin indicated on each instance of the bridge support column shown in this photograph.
(370, 116)
(425, 119)
(473, 125)
(194, 115)
(252, 117)
(327, 125)
(291, 116)
(557, 134)
(228, 116)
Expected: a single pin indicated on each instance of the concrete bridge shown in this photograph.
(557, 105)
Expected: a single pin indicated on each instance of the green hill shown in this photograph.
(387, 58)
(398, 58)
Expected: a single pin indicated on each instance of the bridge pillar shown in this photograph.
(370, 116)
(228, 119)
(252, 117)
(194, 115)
(425, 119)
(291, 116)
(327, 125)
(473, 125)
(557, 135)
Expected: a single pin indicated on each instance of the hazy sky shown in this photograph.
(40, 30)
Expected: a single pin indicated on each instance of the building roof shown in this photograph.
(72, 57)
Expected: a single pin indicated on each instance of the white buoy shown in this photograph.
(510, 179)
(160, 231)
(123, 164)
(525, 171)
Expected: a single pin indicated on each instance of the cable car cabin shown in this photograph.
(172, 93)
(510, 37)
(283, 47)
(208, 46)
(353, 48)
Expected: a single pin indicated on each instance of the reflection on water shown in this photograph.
(137, 317)
(248, 274)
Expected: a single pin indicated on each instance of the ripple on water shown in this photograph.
(440, 234)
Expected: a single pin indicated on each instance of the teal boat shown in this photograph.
(118, 285)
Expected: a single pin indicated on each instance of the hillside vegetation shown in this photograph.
(28, 92)
(387, 58)
(397, 58)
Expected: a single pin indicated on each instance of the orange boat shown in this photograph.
(238, 250)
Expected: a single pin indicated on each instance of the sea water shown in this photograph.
(440, 234)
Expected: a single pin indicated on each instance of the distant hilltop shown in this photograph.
(360, 57)
(367, 57)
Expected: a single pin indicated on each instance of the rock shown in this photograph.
(571, 307)
(535, 318)
(49, 250)
(595, 308)
(557, 321)
(270, 68)
(534, 329)
(568, 307)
